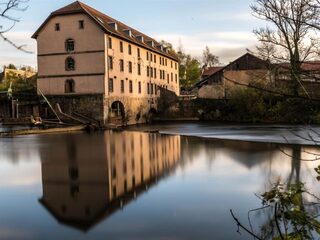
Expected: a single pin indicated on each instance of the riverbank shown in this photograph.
(38, 131)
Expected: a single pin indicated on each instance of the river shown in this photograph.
(138, 185)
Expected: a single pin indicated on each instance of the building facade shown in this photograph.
(93, 64)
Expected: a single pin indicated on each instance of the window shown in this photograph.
(69, 86)
(121, 47)
(139, 69)
(81, 24)
(130, 67)
(148, 88)
(151, 57)
(70, 64)
(160, 60)
(176, 78)
(155, 58)
(110, 62)
(122, 86)
(147, 56)
(151, 72)
(138, 52)
(151, 89)
(148, 71)
(69, 44)
(139, 87)
(160, 74)
(155, 72)
(110, 85)
(176, 66)
(121, 63)
(110, 43)
(166, 62)
(168, 77)
(57, 27)
(171, 77)
(130, 86)
(171, 64)
(129, 49)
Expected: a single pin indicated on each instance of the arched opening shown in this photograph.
(69, 86)
(70, 64)
(151, 114)
(117, 109)
(152, 111)
(69, 45)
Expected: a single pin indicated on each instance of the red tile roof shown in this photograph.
(104, 22)
(211, 70)
(310, 66)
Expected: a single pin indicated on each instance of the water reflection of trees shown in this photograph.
(86, 178)
(290, 210)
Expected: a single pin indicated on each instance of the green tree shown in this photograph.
(12, 66)
(189, 70)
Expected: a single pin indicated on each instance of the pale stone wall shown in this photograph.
(88, 55)
(212, 92)
(225, 90)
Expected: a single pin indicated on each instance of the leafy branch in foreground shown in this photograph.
(292, 216)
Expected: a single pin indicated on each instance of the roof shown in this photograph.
(104, 22)
(211, 70)
(231, 65)
(310, 66)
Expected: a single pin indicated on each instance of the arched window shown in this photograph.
(69, 86)
(70, 64)
(69, 44)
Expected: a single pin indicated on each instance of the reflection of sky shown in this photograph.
(193, 203)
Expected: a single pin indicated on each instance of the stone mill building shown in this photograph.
(95, 65)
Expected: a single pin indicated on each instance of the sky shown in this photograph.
(226, 27)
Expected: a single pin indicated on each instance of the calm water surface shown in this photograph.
(135, 185)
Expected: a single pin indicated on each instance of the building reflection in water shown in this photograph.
(85, 181)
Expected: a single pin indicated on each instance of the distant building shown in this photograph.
(244, 70)
(7, 73)
(93, 64)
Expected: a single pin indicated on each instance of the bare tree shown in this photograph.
(8, 20)
(209, 59)
(290, 31)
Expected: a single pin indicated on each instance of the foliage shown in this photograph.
(12, 66)
(189, 70)
(292, 217)
(252, 106)
(18, 83)
(209, 59)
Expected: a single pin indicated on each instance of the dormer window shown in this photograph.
(151, 43)
(57, 27)
(128, 32)
(81, 24)
(70, 64)
(140, 38)
(69, 45)
(113, 25)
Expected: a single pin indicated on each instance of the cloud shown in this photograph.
(227, 45)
